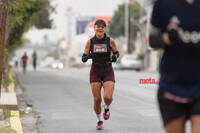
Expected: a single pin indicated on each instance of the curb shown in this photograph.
(15, 121)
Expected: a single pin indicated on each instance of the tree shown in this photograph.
(117, 28)
(43, 20)
(3, 16)
(22, 15)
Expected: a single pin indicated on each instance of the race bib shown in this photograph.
(100, 48)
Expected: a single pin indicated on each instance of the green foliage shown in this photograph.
(6, 114)
(43, 20)
(22, 112)
(21, 15)
(141, 56)
(6, 82)
(6, 55)
(117, 24)
(7, 77)
(117, 27)
(7, 130)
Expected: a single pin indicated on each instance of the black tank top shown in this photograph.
(100, 50)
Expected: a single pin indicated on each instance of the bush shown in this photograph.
(6, 114)
(141, 56)
(7, 78)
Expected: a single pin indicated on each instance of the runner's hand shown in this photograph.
(113, 58)
(173, 33)
(86, 57)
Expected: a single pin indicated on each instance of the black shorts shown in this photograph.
(171, 110)
(102, 74)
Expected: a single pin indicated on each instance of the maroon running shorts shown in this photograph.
(103, 74)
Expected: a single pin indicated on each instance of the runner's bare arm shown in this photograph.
(114, 50)
(87, 48)
(113, 45)
(86, 54)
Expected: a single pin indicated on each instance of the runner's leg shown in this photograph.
(108, 91)
(108, 94)
(176, 126)
(195, 119)
(96, 91)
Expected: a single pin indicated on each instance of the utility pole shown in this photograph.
(126, 24)
(3, 16)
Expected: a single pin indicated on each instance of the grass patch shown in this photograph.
(33, 111)
(7, 130)
(6, 81)
(7, 78)
(6, 114)
(22, 112)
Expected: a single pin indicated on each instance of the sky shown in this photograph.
(84, 8)
(87, 7)
(91, 7)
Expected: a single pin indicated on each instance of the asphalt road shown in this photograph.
(64, 102)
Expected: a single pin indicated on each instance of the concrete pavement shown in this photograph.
(64, 102)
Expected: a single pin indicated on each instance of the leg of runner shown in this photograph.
(24, 68)
(176, 126)
(34, 65)
(108, 93)
(195, 119)
(96, 91)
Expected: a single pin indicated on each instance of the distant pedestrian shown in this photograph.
(176, 29)
(16, 64)
(34, 58)
(24, 62)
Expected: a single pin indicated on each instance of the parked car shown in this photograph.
(129, 61)
(57, 65)
(47, 62)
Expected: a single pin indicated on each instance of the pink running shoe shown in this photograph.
(106, 114)
(99, 125)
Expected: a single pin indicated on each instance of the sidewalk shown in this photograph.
(8, 101)
(29, 117)
(19, 116)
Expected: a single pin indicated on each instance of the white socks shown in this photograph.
(107, 106)
(100, 118)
